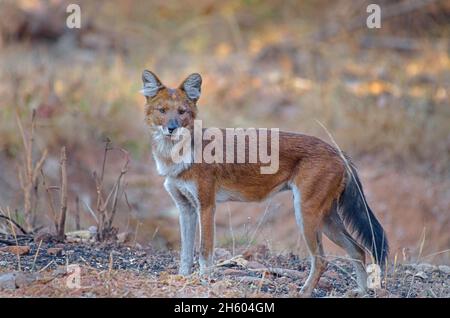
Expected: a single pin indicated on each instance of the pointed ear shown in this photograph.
(152, 84)
(192, 86)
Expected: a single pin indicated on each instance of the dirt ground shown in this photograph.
(121, 271)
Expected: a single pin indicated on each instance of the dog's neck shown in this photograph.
(162, 146)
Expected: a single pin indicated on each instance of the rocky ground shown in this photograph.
(121, 271)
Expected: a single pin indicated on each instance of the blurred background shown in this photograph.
(382, 93)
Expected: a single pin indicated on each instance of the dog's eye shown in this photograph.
(181, 111)
(162, 110)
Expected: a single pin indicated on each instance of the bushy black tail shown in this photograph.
(357, 214)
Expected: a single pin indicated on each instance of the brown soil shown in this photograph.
(120, 271)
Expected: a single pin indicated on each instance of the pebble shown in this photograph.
(55, 251)
(8, 281)
(255, 265)
(422, 275)
(425, 267)
(445, 269)
(13, 280)
(332, 275)
(18, 250)
(325, 284)
(234, 272)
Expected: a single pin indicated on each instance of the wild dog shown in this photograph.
(327, 193)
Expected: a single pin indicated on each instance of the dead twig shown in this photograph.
(101, 206)
(106, 215)
(77, 214)
(50, 200)
(28, 175)
(36, 255)
(280, 272)
(123, 171)
(63, 195)
(13, 222)
(15, 237)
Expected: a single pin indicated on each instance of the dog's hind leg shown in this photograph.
(335, 230)
(309, 224)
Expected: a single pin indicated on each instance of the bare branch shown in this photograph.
(91, 212)
(77, 214)
(50, 200)
(39, 165)
(119, 179)
(13, 222)
(63, 195)
(28, 173)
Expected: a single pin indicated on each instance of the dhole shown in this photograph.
(327, 194)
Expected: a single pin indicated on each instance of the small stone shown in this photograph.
(325, 284)
(8, 281)
(422, 275)
(444, 268)
(332, 275)
(15, 280)
(24, 279)
(255, 265)
(16, 249)
(140, 253)
(354, 293)
(425, 267)
(234, 272)
(57, 251)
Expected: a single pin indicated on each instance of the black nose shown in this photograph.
(172, 125)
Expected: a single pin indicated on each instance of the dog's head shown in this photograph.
(170, 108)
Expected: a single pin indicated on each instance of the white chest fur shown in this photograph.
(168, 164)
(167, 168)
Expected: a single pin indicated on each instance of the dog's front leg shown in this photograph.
(188, 226)
(207, 228)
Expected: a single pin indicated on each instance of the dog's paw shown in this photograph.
(185, 271)
(206, 270)
(304, 293)
(356, 293)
